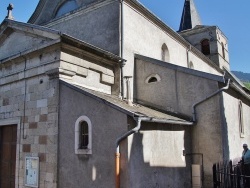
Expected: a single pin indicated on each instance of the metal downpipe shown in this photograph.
(208, 97)
(122, 46)
(118, 155)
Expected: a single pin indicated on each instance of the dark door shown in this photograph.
(8, 139)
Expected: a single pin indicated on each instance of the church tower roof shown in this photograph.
(190, 17)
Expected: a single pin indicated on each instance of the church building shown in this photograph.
(103, 94)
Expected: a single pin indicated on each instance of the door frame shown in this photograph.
(17, 122)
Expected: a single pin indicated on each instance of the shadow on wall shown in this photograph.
(156, 158)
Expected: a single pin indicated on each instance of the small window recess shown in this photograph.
(165, 53)
(83, 135)
(205, 47)
(241, 120)
(223, 50)
(191, 65)
(153, 78)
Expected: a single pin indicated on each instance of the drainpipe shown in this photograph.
(129, 100)
(189, 49)
(118, 155)
(208, 97)
(121, 46)
(25, 95)
(132, 131)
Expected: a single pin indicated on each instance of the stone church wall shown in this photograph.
(236, 138)
(28, 95)
(178, 91)
(96, 169)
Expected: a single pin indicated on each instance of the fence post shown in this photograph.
(231, 172)
(214, 176)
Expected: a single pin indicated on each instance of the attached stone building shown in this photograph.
(101, 93)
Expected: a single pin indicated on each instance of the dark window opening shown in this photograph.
(84, 135)
(223, 50)
(241, 122)
(205, 47)
(153, 79)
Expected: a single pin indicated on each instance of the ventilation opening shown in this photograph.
(153, 78)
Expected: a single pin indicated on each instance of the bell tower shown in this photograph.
(210, 40)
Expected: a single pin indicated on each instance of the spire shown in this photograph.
(9, 15)
(190, 17)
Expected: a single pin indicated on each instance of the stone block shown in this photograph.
(26, 148)
(107, 79)
(42, 103)
(43, 139)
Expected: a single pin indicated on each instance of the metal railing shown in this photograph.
(230, 175)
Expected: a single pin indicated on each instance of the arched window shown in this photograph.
(223, 50)
(153, 78)
(241, 122)
(205, 47)
(83, 136)
(66, 7)
(165, 53)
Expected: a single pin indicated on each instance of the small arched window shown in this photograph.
(153, 78)
(241, 122)
(165, 53)
(66, 7)
(205, 47)
(83, 136)
(223, 50)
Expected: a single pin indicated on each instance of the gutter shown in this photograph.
(132, 131)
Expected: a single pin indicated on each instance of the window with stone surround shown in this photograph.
(241, 122)
(153, 78)
(83, 135)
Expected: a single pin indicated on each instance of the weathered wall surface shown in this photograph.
(97, 169)
(232, 120)
(176, 92)
(156, 156)
(97, 25)
(138, 39)
(27, 94)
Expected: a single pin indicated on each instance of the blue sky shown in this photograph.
(233, 18)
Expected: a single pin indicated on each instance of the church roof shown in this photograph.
(136, 110)
(190, 17)
(7, 27)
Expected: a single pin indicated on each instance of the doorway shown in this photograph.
(8, 141)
